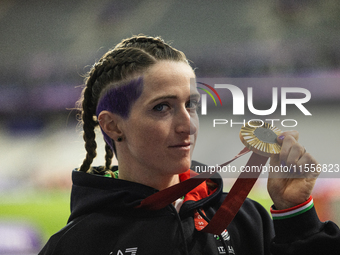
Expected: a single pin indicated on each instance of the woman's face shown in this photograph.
(161, 130)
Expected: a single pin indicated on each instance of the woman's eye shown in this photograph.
(160, 107)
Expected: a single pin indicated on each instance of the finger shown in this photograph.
(308, 165)
(295, 153)
(283, 135)
(274, 160)
(286, 146)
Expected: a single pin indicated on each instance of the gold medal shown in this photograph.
(260, 137)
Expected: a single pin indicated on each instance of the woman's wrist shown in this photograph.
(291, 211)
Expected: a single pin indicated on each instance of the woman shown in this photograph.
(140, 95)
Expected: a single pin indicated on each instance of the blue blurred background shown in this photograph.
(46, 47)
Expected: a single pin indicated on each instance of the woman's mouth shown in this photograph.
(181, 146)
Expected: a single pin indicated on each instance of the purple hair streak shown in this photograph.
(119, 100)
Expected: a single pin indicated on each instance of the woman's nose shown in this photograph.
(186, 123)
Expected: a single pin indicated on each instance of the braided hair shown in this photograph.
(130, 57)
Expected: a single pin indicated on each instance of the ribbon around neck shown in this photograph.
(231, 204)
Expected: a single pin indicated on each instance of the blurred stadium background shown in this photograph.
(48, 46)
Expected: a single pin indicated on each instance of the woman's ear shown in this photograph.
(108, 122)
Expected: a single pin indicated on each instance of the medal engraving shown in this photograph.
(261, 137)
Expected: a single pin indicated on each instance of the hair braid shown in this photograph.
(89, 124)
(108, 157)
(155, 46)
(87, 115)
(130, 57)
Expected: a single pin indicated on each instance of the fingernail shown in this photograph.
(281, 137)
(283, 163)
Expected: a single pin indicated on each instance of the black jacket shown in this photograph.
(104, 221)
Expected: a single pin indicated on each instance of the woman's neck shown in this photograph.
(148, 178)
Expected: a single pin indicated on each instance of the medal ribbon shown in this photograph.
(231, 204)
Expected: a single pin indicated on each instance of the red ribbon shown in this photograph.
(231, 203)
